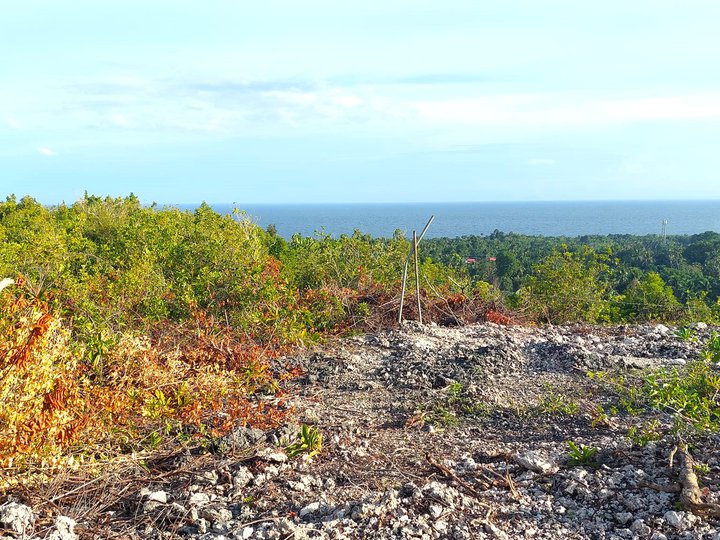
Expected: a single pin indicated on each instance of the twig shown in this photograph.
(263, 520)
(672, 488)
(447, 472)
(79, 488)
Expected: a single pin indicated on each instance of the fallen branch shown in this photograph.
(687, 485)
(672, 488)
(493, 529)
(447, 472)
(691, 496)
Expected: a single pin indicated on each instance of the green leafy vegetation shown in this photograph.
(689, 395)
(557, 403)
(129, 327)
(647, 432)
(309, 442)
(565, 287)
(614, 278)
(580, 455)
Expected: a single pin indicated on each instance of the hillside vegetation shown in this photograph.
(130, 327)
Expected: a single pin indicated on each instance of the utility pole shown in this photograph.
(664, 229)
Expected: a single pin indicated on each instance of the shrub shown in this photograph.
(650, 299)
(565, 287)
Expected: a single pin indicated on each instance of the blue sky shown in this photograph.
(392, 101)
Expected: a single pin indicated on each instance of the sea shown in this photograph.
(482, 218)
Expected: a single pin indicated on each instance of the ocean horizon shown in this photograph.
(542, 218)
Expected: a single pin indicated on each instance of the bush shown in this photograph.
(58, 403)
(650, 299)
(566, 287)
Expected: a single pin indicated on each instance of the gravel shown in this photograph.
(494, 470)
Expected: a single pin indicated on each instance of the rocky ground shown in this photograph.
(428, 433)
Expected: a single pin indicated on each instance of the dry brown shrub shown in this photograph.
(188, 382)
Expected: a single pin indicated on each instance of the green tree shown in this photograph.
(509, 270)
(650, 299)
(565, 287)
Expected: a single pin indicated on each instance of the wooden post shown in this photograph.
(417, 275)
(427, 226)
(405, 270)
(404, 284)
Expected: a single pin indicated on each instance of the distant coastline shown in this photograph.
(543, 218)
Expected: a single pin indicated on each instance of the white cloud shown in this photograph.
(197, 105)
(541, 161)
(540, 110)
(45, 151)
(120, 120)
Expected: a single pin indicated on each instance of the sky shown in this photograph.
(228, 101)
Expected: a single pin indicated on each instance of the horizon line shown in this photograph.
(425, 203)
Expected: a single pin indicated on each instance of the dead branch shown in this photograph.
(691, 496)
(448, 473)
(672, 488)
(687, 485)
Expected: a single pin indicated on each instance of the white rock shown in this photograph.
(199, 499)
(17, 517)
(151, 506)
(246, 533)
(639, 528)
(158, 496)
(537, 462)
(674, 519)
(623, 517)
(435, 510)
(275, 457)
(64, 529)
(242, 477)
(309, 509)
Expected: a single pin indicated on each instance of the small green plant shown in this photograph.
(158, 405)
(690, 393)
(456, 404)
(455, 392)
(685, 333)
(711, 352)
(647, 432)
(442, 416)
(556, 403)
(626, 388)
(580, 455)
(153, 440)
(310, 442)
(97, 348)
(599, 417)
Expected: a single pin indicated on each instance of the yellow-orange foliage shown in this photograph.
(194, 381)
(41, 411)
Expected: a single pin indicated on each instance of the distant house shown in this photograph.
(491, 258)
(470, 260)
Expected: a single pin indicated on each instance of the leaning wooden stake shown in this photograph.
(407, 265)
(417, 275)
(404, 285)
